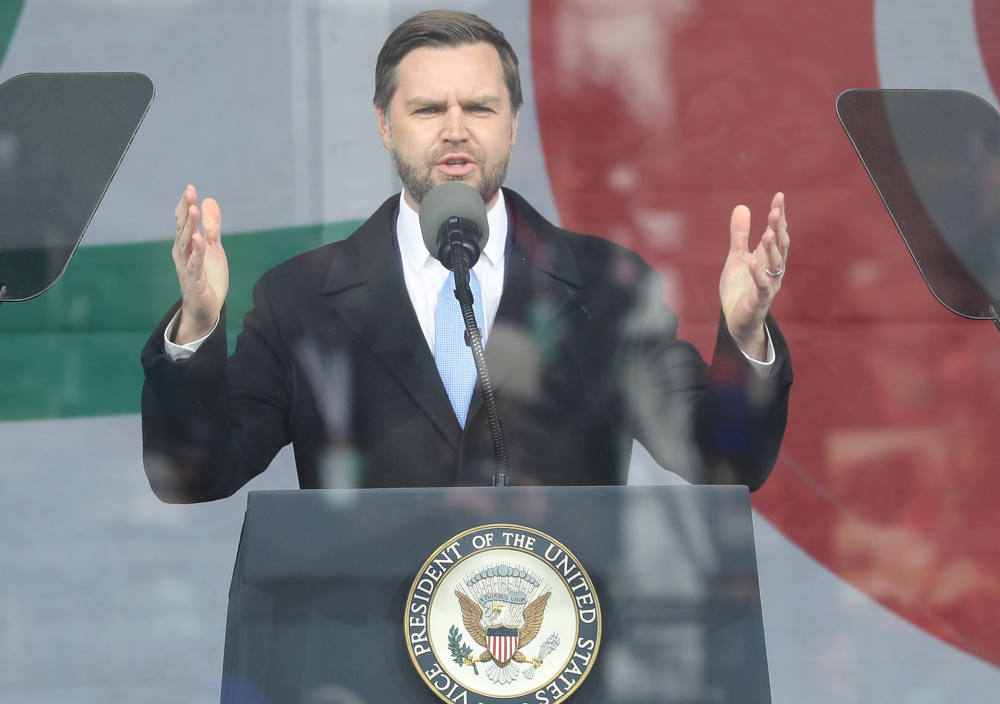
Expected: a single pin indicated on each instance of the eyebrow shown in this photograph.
(418, 102)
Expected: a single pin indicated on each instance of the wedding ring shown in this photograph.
(774, 274)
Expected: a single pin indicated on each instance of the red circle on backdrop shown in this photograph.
(656, 119)
(988, 33)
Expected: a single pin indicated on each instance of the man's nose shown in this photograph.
(455, 128)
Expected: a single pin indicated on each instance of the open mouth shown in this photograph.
(455, 166)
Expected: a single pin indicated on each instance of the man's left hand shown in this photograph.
(750, 280)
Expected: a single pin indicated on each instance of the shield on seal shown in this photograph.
(502, 643)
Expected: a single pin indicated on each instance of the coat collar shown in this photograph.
(537, 243)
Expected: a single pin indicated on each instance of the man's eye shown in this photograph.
(480, 109)
(425, 111)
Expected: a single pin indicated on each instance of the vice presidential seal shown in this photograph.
(502, 613)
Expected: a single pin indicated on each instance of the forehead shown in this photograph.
(470, 69)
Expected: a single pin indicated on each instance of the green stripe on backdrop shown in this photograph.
(10, 12)
(74, 351)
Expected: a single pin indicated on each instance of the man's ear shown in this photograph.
(513, 127)
(383, 128)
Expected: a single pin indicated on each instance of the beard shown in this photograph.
(418, 180)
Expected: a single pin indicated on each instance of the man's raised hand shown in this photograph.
(750, 280)
(200, 261)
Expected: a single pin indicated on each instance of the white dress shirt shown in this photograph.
(424, 275)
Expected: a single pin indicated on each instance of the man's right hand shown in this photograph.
(202, 269)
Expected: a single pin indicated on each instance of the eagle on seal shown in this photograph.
(502, 631)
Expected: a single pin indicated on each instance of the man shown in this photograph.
(337, 355)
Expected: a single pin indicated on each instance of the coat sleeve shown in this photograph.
(712, 424)
(210, 424)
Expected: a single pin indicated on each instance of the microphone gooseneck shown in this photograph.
(454, 228)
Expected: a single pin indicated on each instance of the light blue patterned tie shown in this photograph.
(452, 356)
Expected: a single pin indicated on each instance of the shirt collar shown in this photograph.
(411, 243)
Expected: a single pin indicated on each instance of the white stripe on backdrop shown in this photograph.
(928, 44)
(110, 595)
(264, 105)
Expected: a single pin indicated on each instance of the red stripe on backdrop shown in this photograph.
(656, 118)
(988, 33)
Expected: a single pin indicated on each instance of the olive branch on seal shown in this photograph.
(459, 650)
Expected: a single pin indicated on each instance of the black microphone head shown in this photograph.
(449, 207)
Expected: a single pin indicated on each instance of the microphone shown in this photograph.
(452, 216)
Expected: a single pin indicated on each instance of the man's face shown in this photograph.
(450, 119)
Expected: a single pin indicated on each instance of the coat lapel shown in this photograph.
(365, 288)
(542, 279)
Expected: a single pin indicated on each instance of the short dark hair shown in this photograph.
(442, 29)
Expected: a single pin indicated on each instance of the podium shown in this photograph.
(353, 596)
